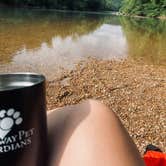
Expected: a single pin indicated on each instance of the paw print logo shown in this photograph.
(7, 121)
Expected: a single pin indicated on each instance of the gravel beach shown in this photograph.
(134, 90)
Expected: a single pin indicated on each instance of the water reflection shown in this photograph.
(106, 42)
(146, 39)
(43, 41)
(19, 29)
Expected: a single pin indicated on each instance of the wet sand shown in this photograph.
(134, 90)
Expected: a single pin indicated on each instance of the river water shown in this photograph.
(47, 41)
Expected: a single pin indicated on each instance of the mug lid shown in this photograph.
(13, 81)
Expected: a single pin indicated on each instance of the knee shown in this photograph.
(94, 104)
(97, 106)
(97, 109)
(90, 111)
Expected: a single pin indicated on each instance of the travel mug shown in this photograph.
(23, 130)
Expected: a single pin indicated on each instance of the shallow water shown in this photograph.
(45, 41)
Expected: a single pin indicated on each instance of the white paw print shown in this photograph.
(7, 120)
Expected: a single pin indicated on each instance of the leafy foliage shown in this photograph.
(150, 8)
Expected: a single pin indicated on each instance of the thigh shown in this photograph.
(90, 134)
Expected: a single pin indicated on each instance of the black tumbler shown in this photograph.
(23, 130)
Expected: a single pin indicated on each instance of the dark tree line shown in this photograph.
(94, 5)
(150, 8)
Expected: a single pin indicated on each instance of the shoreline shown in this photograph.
(133, 90)
(115, 13)
(142, 17)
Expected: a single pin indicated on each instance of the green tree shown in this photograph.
(151, 8)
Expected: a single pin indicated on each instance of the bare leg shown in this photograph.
(89, 134)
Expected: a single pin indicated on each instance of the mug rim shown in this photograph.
(39, 77)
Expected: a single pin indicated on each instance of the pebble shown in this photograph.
(135, 91)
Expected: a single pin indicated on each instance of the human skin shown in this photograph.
(89, 134)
